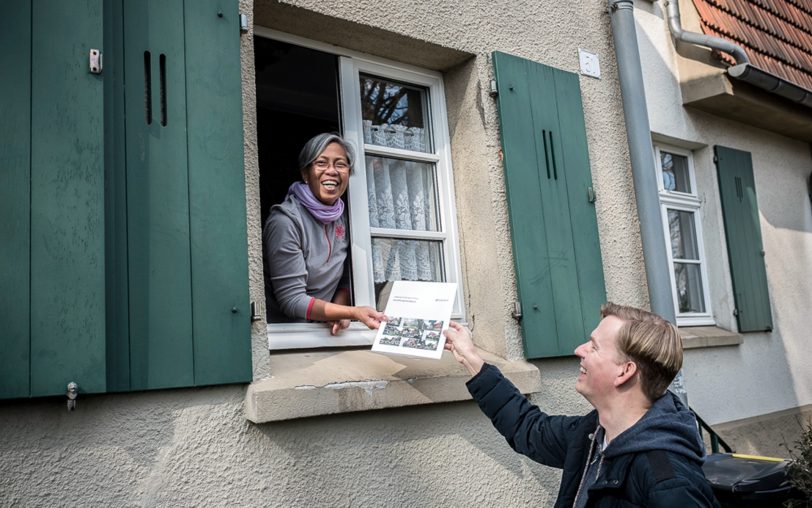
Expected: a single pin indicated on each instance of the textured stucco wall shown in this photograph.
(767, 373)
(194, 447)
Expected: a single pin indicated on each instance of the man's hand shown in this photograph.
(458, 341)
(369, 316)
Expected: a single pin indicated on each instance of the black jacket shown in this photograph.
(655, 463)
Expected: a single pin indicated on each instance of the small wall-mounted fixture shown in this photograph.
(243, 23)
(590, 65)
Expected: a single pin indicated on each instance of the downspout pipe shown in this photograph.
(709, 41)
(743, 70)
(638, 132)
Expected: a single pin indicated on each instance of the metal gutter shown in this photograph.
(743, 70)
(770, 82)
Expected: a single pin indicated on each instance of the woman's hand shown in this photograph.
(369, 316)
(337, 326)
(458, 341)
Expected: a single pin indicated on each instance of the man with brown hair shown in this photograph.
(639, 447)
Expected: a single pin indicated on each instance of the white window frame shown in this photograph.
(351, 65)
(687, 202)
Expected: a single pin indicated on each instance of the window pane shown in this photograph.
(394, 115)
(683, 235)
(675, 172)
(396, 259)
(401, 194)
(689, 288)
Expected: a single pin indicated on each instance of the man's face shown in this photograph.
(601, 364)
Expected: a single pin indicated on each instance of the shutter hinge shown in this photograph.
(243, 22)
(590, 194)
(715, 159)
(95, 61)
(257, 311)
(736, 312)
(517, 311)
(494, 91)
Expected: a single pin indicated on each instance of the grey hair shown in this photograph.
(318, 143)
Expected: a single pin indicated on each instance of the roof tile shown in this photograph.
(775, 34)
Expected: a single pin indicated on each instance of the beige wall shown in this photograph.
(767, 373)
(194, 447)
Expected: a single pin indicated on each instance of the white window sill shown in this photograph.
(695, 337)
(313, 335)
(313, 383)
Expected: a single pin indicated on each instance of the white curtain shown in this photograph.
(399, 194)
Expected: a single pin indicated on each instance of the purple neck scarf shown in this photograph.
(324, 213)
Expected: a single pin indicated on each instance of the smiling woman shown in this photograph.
(305, 239)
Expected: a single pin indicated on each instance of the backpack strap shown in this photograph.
(660, 465)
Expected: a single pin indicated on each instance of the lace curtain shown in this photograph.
(400, 195)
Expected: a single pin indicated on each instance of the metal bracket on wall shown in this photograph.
(517, 311)
(257, 310)
(243, 23)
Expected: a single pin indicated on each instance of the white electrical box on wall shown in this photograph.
(590, 66)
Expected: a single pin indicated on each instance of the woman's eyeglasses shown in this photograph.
(324, 164)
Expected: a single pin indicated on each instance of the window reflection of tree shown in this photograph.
(676, 236)
(388, 103)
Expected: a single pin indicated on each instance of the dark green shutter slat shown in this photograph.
(217, 193)
(558, 254)
(161, 349)
(583, 219)
(67, 200)
(744, 244)
(15, 194)
(118, 338)
(554, 228)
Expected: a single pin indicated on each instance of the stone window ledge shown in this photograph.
(694, 337)
(316, 383)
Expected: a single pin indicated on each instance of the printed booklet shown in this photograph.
(418, 315)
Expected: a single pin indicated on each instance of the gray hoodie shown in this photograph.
(304, 259)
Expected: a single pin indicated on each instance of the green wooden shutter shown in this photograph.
(52, 280)
(160, 294)
(124, 252)
(744, 247)
(554, 227)
(220, 303)
(15, 195)
(188, 281)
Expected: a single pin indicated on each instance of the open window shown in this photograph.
(400, 196)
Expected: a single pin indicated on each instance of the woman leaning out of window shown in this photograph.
(305, 242)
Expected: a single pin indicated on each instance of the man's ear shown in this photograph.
(628, 371)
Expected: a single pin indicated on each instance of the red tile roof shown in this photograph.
(775, 34)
